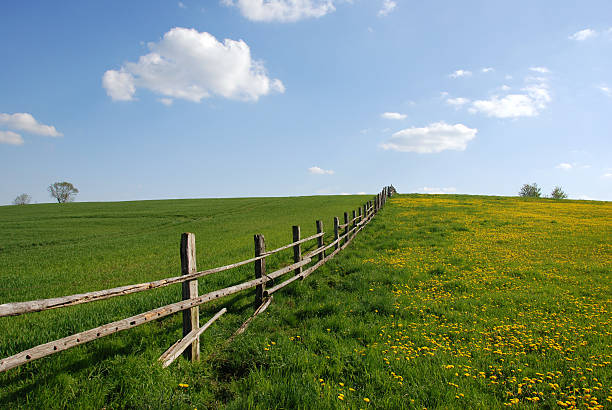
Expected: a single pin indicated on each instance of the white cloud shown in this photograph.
(182, 5)
(430, 190)
(564, 165)
(541, 70)
(460, 73)
(457, 102)
(320, 171)
(393, 116)
(434, 138)
(166, 101)
(11, 138)
(535, 99)
(607, 175)
(284, 11)
(119, 85)
(387, 7)
(606, 90)
(487, 69)
(583, 34)
(186, 64)
(23, 121)
(505, 88)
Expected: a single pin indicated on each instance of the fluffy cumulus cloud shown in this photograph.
(457, 102)
(583, 34)
(285, 11)
(530, 103)
(10, 137)
(387, 7)
(25, 122)
(393, 116)
(189, 65)
(460, 73)
(564, 165)
(433, 138)
(487, 70)
(320, 171)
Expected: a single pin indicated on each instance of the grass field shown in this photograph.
(442, 301)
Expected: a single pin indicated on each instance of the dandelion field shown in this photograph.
(441, 302)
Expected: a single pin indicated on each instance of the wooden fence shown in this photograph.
(189, 345)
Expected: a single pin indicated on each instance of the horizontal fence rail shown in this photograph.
(189, 279)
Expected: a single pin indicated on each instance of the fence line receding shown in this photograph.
(189, 345)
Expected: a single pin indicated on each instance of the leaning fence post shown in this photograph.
(336, 236)
(260, 268)
(320, 239)
(191, 317)
(297, 249)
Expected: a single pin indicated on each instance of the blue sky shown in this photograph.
(168, 99)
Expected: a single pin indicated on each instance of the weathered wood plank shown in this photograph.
(260, 268)
(19, 308)
(297, 249)
(191, 317)
(320, 243)
(176, 349)
(65, 343)
(336, 227)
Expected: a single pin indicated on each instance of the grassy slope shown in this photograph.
(443, 301)
(52, 250)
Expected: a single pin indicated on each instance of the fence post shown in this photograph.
(365, 213)
(354, 221)
(360, 215)
(191, 317)
(297, 249)
(260, 268)
(320, 239)
(336, 224)
(346, 227)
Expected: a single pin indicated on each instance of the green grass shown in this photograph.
(442, 301)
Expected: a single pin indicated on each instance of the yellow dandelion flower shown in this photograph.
(366, 399)
(183, 385)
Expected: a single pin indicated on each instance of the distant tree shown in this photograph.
(558, 193)
(22, 199)
(63, 191)
(530, 190)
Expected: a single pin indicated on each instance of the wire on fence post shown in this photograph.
(297, 249)
(320, 239)
(260, 268)
(191, 317)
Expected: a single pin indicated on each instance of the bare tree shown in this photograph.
(22, 199)
(530, 190)
(558, 193)
(63, 191)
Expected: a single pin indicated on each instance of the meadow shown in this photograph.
(440, 302)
